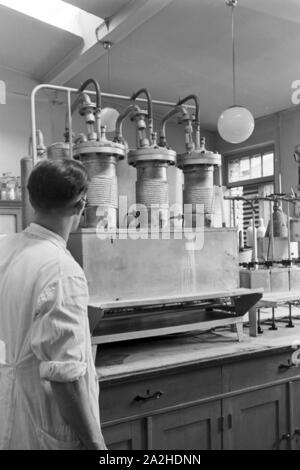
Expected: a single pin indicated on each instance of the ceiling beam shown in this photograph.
(113, 29)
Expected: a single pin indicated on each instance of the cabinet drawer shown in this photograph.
(259, 371)
(149, 394)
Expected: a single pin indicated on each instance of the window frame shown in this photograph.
(250, 152)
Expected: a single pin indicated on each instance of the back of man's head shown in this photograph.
(55, 184)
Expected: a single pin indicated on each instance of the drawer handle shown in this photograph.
(296, 433)
(155, 396)
(289, 365)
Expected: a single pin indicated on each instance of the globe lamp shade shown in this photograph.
(236, 124)
(109, 118)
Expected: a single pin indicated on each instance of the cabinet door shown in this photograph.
(190, 428)
(10, 217)
(125, 436)
(256, 420)
(295, 414)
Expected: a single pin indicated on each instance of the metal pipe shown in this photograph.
(121, 117)
(272, 231)
(80, 97)
(150, 109)
(221, 196)
(97, 87)
(72, 108)
(166, 117)
(45, 86)
(289, 232)
(254, 257)
(197, 115)
(70, 124)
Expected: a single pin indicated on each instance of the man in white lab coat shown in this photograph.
(48, 382)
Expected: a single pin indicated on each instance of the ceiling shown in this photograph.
(183, 48)
(186, 48)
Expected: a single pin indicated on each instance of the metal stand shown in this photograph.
(273, 326)
(290, 322)
(259, 328)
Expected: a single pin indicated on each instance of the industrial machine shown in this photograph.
(146, 282)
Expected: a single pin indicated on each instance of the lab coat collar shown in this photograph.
(42, 232)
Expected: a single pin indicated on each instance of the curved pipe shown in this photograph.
(197, 115)
(121, 117)
(97, 88)
(75, 105)
(166, 117)
(87, 98)
(69, 90)
(197, 105)
(150, 107)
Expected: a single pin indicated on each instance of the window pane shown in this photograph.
(268, 164)
(245, 168)
(256, 166)
(234, 170)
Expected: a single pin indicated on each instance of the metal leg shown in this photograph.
(259, 328)
(273, 327)
(239, 330)
(290, 322)
(252, 322)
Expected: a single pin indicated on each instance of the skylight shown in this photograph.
(56, 13)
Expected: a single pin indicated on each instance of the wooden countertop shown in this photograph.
(135, 358)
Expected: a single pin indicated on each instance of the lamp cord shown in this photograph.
(108, 69)
(233, 54)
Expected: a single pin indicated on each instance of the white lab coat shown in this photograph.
(44, 337)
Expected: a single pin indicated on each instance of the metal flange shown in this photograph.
(150, 154)
(106, 147)
(198, 158)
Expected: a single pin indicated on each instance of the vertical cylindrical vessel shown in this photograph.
(152, 189)
(58, 150)
(198, 169)
(100, 160)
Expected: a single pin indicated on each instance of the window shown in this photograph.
(250, 174)
(249, 167)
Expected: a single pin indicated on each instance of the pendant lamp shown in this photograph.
(236, 123)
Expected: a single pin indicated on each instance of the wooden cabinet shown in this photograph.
(126, 436)
(10, 217)
(256, 420)
(294, 402)
(239, 404)
(195, 427)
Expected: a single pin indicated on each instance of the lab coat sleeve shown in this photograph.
(59, 330)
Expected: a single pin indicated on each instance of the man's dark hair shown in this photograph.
(53, 184)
